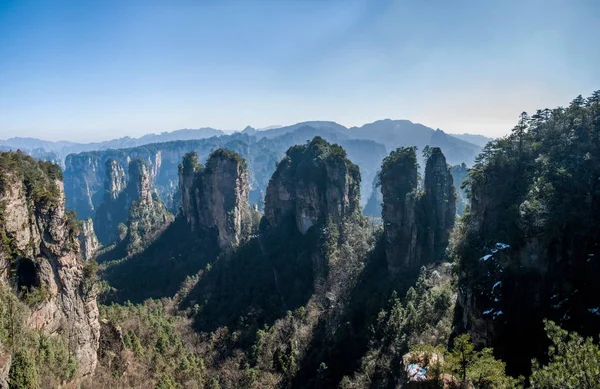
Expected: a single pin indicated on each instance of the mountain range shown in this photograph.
(390, 133)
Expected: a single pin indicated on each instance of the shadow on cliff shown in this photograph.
(160, 269)
(256, 283)
(342, 352)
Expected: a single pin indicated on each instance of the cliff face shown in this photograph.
(417, 224)
(87, 240)
(147, 213)
(40, 247)
(438, 205)
(114, 210)
(399, 179)
(135, 205)
(215, 196)
(85, 173)
(313, 183)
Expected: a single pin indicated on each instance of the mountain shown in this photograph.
(47, 295)
(529, 245)
(476, 139)
(57, 151)
(322, 127)
(85, 173)
(396, 133)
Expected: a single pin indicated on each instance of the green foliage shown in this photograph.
(37, 358)
(476, 369)
(23, 373)
(401, 162)
(38, 177)
(574, 362)
(34, 296)
(537, 192)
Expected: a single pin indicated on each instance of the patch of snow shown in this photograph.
(485, 257)
(595, 311)
(500, 246)
(496, 314)
(496, 284)
(488, 311)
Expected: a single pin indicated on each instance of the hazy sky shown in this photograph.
(87, 70)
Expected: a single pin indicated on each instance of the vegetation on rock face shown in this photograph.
(527, 247)
(38, 177)
(38, 360)
(417, 222)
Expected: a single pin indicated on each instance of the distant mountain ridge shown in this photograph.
(389, 133)
(476, 139)
(40, 148)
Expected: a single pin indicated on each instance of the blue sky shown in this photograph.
(92, 70)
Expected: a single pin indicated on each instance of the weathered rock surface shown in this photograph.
(215, 197)
(85, 173)
(399, 180)
(136, 205)
(115, 208)
(313, 183)
(40, 245)
(5, 361)
(88, 242)
(147, 214)
(417, 224)
(112, 352)
(438, 205)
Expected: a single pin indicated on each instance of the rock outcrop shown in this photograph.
(41, 250)
(417, 224)
(147, 214)
(399, 180)
(85, 173)
(88, 242)
(438, 205)
(112, 352)
(313, 183)
(115, 208)
(215, 197)
(135, 206)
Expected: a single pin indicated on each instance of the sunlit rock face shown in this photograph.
(41, 249)
(215, 197)
(312, 184)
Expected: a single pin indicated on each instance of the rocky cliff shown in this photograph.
(135, 206)
(85, 173)
(313, 183)
(40, 254)
(438, 205)
(115, 207)
(88, 242)
(417, 224)
(147, 214)
(215, 197)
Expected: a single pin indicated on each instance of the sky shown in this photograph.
(100, 69)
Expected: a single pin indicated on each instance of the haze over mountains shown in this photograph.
(390, 133)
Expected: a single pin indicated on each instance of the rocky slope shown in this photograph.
(215, 197)
(40, 254)
(417, 224)
(314, 183)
